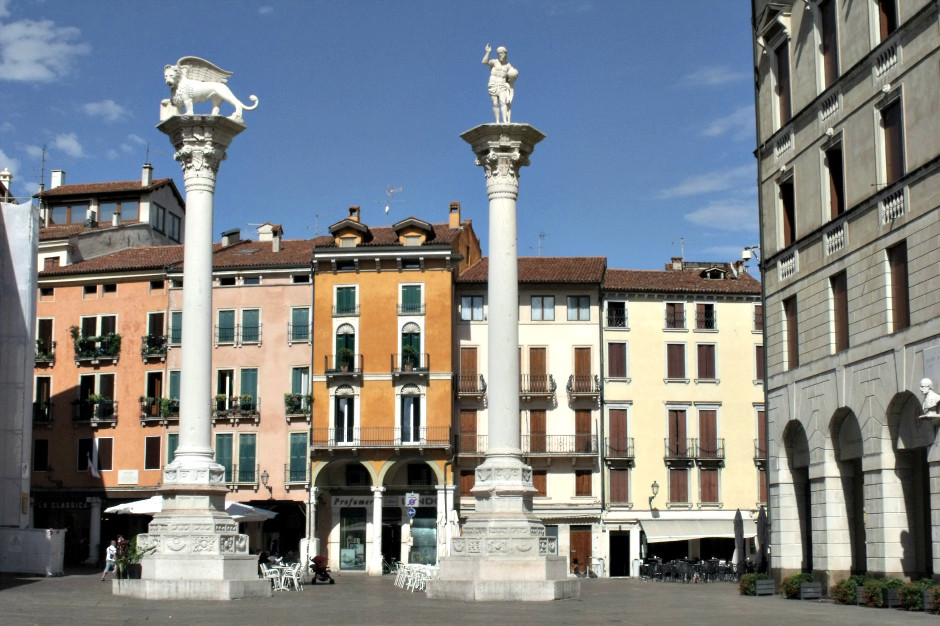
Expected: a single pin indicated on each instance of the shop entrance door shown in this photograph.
(391, 534)
(580, 551)
(619, 553)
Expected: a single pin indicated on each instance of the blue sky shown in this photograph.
(647, 108)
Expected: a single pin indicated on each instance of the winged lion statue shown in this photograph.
(193, 80)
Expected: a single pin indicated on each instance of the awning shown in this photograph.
(659, 530)
(239, 511)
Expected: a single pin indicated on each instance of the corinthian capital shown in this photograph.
(200, 142)
(502, 150)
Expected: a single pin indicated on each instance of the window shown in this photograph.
(109, 290)
(410, 414)
(225, 330)
(706, 361)
(892, 128)
(616, 314)
(579, 308)
(157, 286)
(247, 468)
(300, 385)
(300, 279)
(248, 388)
(677, 444)
(344, 415)
(543, 308)
(758, 317)
(787, 211)
(251, 280)
(95, 397)
(347, 242)
(173, 227)
(782, 75)
(223, 453)
(346, 265)
(467, 480)
(619, 485)
(829, 41)
(104, 453)
(900, 297)
(345, 301)
(708, 484)
(618, 444)
(705, 316)
(411, 300)
(582, 482)
(50, 263)
(89, 292)
(413, 240)
(83, 459)
(225, 386)
(158, 218)
(708, 447)
(44, 337)
(251, 326)
(299, 324)
(539, 481)
(617, 359)
(297, 467)
(172, 443)
(176, 327)
(471, 308)
(152, 453)
(411, 347)
(357, 476)
(833, 161)
(126, 210)
(173, 388)
(675, 315)
(226, 281)
(678, 485)
(40, 455)
(675, 361)
(887, 17)
(46, 294)
(840, 311)
(100, 325)
(346, 348)
(759, 362)
(792, 333)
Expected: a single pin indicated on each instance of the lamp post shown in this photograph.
(264, 481)
(655, 488)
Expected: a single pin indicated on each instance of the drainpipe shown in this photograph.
(311, 509)
(600, 427)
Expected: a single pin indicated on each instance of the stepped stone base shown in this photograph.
(493, 578)
(192, 589)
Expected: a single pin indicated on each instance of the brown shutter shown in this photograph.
(675, 360)
(582, 362)
(582, 482)
(793, 349)
(467, 480)
(468, 370)
(789, 212)
(830, 43)
(677, 439)
(840, 305)
(619, 483)
(539, 482)
(706, 361)
(762, 486)
(468, 431)
(538, 370)
(537, 430)
(709, 484)
(759, 317)
(900, 296)
(836, 182)
(617, 431)
(678, 485)
(761, 434)
(582, 430)
(759, 362)
(708, 434)
(617, 360)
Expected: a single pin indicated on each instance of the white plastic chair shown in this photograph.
(292, 577)
(272, 574)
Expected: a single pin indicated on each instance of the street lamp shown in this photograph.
(264, 481)
(655, 488)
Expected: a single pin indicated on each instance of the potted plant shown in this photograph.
(791, 585)
(220, 399)
(409, 358)
(292, 403)
(246, 403)
(128, 560)
(345, 358)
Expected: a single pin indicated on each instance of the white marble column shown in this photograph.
(375, 558)
(313, 540)
(94, 529)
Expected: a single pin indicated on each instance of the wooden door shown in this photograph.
(582, 369)
(580, 549)
(468, 431)
(582, 430)
(468, 370)
(708, 434)
(677, 441)
(537, 437)
(537, 370)
(617, 444)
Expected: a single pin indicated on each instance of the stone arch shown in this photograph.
(333, 474)
(848, 445)
(796, 446)
(396, 471)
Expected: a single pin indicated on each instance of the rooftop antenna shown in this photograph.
(681, 243)
(389, 192)
(151, 150)
(316, 222)
(542, 236)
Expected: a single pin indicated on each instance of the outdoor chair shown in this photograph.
(292, 578)
(273, 575)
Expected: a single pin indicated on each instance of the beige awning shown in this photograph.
(659, 530)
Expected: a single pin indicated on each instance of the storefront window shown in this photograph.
(352, 538)
(424, 536)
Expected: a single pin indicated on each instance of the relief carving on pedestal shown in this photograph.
(475, 546)
(176, 543)
(203, 544)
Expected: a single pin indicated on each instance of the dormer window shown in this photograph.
(713, 274)
(414, 240)
(347, 242)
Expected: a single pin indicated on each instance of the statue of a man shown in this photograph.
(502, 79)
(931, 399)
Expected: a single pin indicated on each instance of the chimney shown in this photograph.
(354, 213)
(57, 179)
(677, 262)
(6, 178)
(146, 176)
(231, 236)
(273, 233)
(454, 221)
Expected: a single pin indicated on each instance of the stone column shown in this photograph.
(313, 541)
(198, 551)
(94, 529)
(375, 562)
(503, 553)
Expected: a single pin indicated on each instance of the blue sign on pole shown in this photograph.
(411, 512)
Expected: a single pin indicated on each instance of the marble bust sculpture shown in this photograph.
(931, 399)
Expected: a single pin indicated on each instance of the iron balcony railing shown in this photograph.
(153, 346)
(176, 336)
(104, 347)
(241, 474)
(296, 474)
(343, 364)
(471, 445)
(619, 449)
(346, 311)
(159, 408)
(249, 334)
(537, 385)
(679, 448)
(710, 449)
(707, 320)
(42, 413)
(235, 407)
(237, 335)
(297, 404)
(298, 333)
(540, 444)
(410, 362)
(471, 384)
(104, 410)
(380, 437)
(583, 385)
(45, 351)
(411, 309)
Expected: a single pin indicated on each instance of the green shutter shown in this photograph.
(176, 326)
(345, 299)
(174, 386)
(298, 457)
(411, 298)
(226, 326)
(300, 324)
(247, 444)
(251, 325)
(172, 443)
(297, 380)
(249, 382)
(223, 454)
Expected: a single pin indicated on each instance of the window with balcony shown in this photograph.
(579, 308)
(838, 286)
(411, 301)
(675, 315)
(469, 380)
(617, 359)
(345, 301)
(538, 440)
(887, 17)
(42, 400)
(543, 308)
(225, 329)
(45, 344)
(900, 295)
(176, 327)
(781, 58)
(224, 454)
(150, 407)
(344, 415)
(471, 308)
(709, 447)
(832, 159)
(616, 314)
(675, 361)
(469, 441)
(892, 141)
(583, 439)
(95, 398)
(297, 463)
(618, 444)
(676, 443)
(225, 398)
(153, 455)
(96, 452)
(787, 211)
(707, 368)
(251, 326)
(248, 390)
(299, 330)
(247, 458)
(791, 333)
(410, 414)
(345, 356)
(299, 400)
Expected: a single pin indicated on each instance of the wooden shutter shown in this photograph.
(840, 306)
(675, 360)
(836, 182)
(782, 53)
(708, 434)
(538, 378)
(105, 453)
(582, 362)
(468, 430)
(539, 480)
(762, 484)
(706, 361)
(467, 480)
(789, 212)
(830, 42)
(761, 435)
(582, 482)
(900, 296)
(537, 430)
(893, 142)
(793, 349)
(582, 430)
(759, 362)
(678, 485)
(887, 17)
(617, 431)
(617, 360)
(619, 485)
(708, 479)
(155, 324)
(677, 437)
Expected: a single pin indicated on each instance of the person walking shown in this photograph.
(110, 559)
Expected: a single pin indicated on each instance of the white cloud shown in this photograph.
(712, 76)
(6, 161)
(728, 214)
(720, 180)
(69, 144)
(4, 8)
(34, 152)
(111, 154)
(6, 126)
(136, 139)
(37, 50)
(739, 125)
(266, 9)
(107, 109)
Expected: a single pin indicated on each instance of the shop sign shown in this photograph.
(127, 477)
(388, 500)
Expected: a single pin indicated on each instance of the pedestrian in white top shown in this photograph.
(110, 559)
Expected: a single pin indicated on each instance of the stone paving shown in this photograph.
(80, 598)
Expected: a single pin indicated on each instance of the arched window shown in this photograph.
(411, 345)
(345, 346)
(410, 414)
(344, 415)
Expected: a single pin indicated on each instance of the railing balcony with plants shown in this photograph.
(472, 445)
(547, 445)
(298, 404)
(679, 448)
(45, 351)
(619, 449)
(471, 384)
(95, 348)
(241, 475)
(710, 449)
(153, 346)
(158, 408)
(583, 385)
(95, 409)
(380, 437)
(410, 361)
(236, 407)
(537, 385)
(296, 475)
(42, 413)
(345, 362)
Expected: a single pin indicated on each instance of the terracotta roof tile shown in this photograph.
(248, 253)
(143, 258)
(679, 281)
(386, 236)
(87, 189)
(545, 270)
